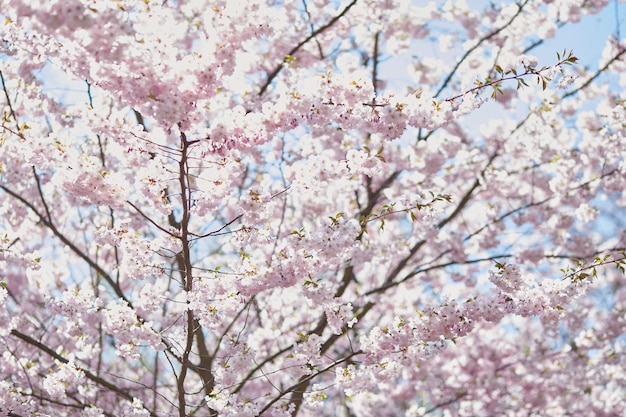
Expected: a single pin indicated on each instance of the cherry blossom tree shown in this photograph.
(249, 208)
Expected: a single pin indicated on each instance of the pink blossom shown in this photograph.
(219, 208)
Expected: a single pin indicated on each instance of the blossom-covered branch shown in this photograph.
(271, 209)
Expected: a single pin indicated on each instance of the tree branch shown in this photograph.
(98, 380)
(296, 48)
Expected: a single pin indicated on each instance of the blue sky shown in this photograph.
(587, 39)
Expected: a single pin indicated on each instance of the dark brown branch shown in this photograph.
(187, 271)
(98, 380)
(260, 365)
(296, 48)
(204, 368)
(68, 243)
(317, 42)
(599, 72)
(158, 226)
(6, 94)
(538, 203)
(443, 404)
(375, 61)
(435, 267)
(40, 192)
(296, 388)
(478, 44)
(468, 195)
(216, 232)
(373, 196)
(348, 277)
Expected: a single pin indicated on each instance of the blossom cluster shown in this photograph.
(309, 208)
